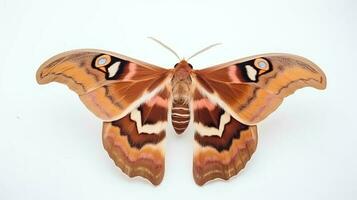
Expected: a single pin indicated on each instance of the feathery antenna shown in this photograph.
(203, 50)
(165, 46)
(177, 56)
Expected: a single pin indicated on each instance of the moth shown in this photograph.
(138, 101)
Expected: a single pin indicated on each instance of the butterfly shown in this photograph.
(138, 100)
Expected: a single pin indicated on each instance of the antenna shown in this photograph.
(203, 50)
(165, 46)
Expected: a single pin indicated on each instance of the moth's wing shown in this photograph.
(109, 84)
(251, 88)
(223, 145)
(130, 95)
(136, 141)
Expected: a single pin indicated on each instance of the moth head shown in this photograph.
(184, 65)
(182, 71)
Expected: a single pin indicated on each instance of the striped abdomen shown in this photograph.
(180, 117)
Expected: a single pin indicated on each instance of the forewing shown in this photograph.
(109, 84)
(251, 88)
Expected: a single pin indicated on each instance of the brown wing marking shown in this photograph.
(136, 141)
(223, 145)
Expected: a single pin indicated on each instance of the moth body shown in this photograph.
(181, 96)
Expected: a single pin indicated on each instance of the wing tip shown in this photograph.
(318, 84)
(322, 83)
(323, 80)
(43, 74)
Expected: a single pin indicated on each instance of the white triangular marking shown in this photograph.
(113, 69)
(252, 73)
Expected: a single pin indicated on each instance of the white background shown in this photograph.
(50, 144)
